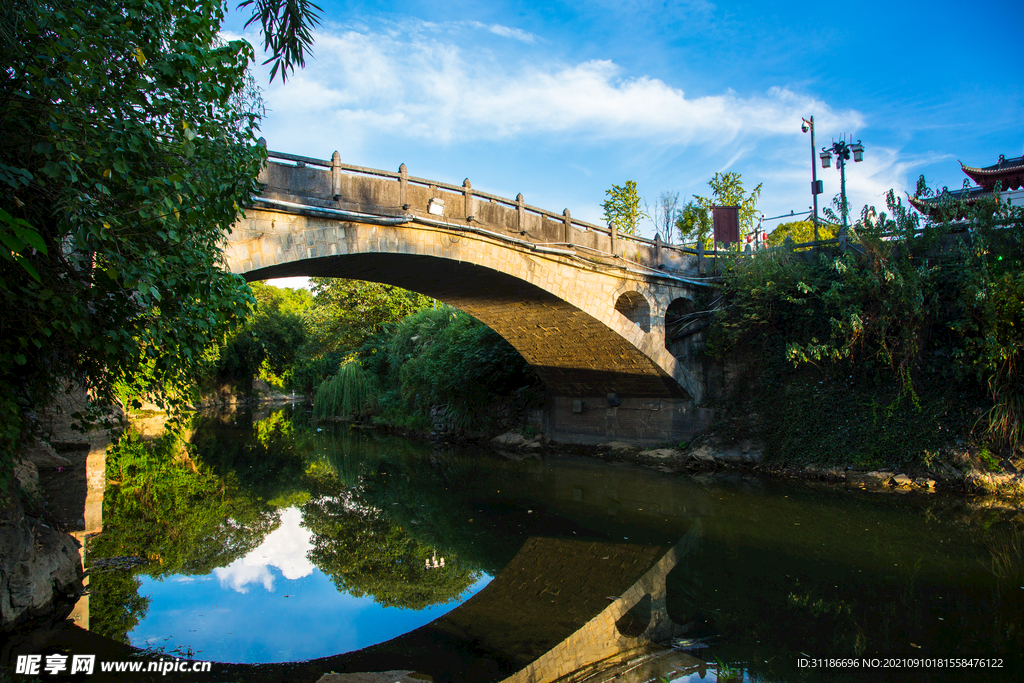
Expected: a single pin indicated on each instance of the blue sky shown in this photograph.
(272, 605)
(560, 100)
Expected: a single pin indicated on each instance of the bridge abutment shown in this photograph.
(594, 420)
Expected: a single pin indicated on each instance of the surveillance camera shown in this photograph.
(804, 128)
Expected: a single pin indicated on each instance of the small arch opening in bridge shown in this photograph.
(634, 306)
(633, 623)
(677, 318)
(682, 323)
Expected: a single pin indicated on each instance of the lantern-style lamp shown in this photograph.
(858, 151)
(826, 159)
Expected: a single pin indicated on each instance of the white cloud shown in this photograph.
(506, 32)
(460, 88)
(284, 548)
(420, 82)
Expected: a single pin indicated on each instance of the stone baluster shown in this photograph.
(567, 219)
(612, 230)
(336, 176)
(467, 190)
(520, 214)
(264, 176)
(403, 187)
(657, 250)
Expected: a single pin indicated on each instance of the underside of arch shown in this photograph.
(575, 354)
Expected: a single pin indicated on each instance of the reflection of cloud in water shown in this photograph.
(284, 548)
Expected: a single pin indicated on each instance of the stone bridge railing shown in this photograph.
(398, 195)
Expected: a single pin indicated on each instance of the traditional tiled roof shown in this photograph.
(948, 201)
(1009, 173)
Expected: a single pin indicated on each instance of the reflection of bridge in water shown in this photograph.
(562, 610)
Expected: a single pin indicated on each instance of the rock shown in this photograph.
(27, 476)
(509, 440)
(704, 453)
(44, 457)
(39, 568)
(376, 677)
(619, 446)
(870, 479)
(902, 481)
(660, 453)
(924, 482)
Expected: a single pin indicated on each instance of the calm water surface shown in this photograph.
(276, 540)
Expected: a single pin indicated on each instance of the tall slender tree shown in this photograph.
(622, 208)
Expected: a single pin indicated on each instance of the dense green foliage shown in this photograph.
(800, 232)
(353, 391)
(269, 343)
(877, 350)
(436, 359)
(128, 147)
(346, 313)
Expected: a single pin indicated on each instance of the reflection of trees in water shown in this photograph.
(268, 457)
(365, 553)
(179, 515)
(1007, 566)
(115, 606)
(432, 494)
(373, 523)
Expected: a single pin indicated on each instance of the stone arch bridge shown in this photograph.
(583, 304)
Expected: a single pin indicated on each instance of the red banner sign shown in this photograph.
(727, 223)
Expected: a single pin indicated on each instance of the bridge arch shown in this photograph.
(556, 314)
(545, 282)
(635, 307)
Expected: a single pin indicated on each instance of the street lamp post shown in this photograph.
(808, 125)
(842, 150)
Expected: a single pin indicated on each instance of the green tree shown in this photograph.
(128, 148)
(727, 189)
(268, 344)
(800, 231)
(694, 224)
(126, 155)
(346, 313)
(286, 31)
(622, 208)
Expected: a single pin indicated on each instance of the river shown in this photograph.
(272, 539)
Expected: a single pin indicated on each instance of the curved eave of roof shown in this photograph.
(939, 209)
(1009, 174)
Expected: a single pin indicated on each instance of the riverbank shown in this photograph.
(954, 470)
